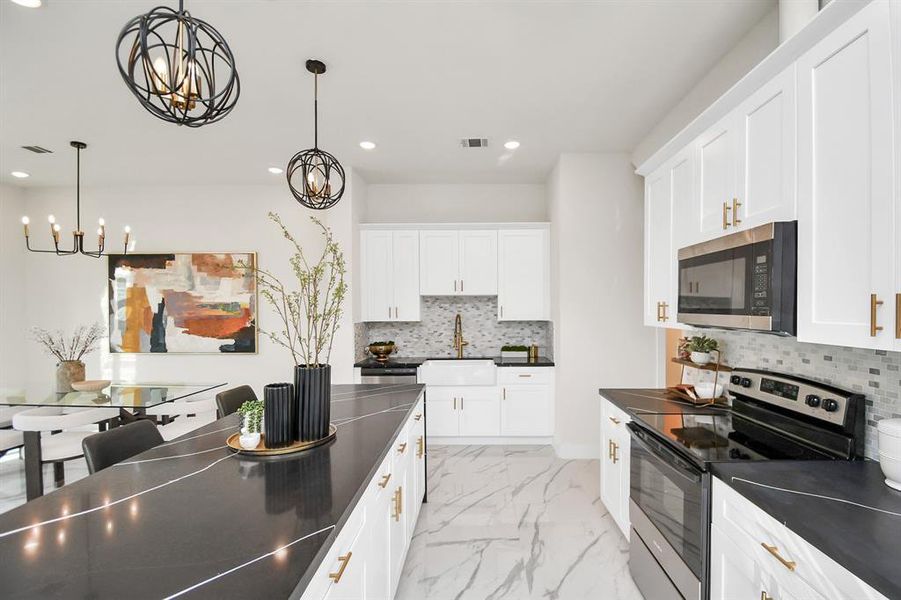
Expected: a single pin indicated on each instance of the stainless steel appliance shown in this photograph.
(388, 374)
(773, 417)
(745, 280)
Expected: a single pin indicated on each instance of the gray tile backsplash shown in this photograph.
(434, 334)
(874, 373)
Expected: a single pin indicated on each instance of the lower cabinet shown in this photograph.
(463, 411)
(527, 407)
(615, 444)
(366, 560)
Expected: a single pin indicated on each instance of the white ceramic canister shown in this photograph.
(890, 451)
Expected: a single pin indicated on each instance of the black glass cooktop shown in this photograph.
(725, 436)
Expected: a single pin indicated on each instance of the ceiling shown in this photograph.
(414, 77)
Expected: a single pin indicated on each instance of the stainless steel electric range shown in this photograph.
(773, 417)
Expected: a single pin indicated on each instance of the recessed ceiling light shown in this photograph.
(28, 3)
(20, 174)
(276, 170)
(367, 145)
(511, 145)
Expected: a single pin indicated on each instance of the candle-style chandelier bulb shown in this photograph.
(51, 219)
(25, 221)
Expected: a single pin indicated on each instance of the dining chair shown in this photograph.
(231, 400)
(104, 449)
(10, 439)
(65, 444)
(183, 416)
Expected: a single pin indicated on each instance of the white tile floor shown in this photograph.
(514, 522)
(12, 478)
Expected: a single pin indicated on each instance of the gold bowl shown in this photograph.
(381, 351)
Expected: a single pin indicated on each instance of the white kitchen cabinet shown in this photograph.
(461, 263)
(717, 166)
(390, 275)
(735, 575)
(523, 290)
(846, 211)
(417, 462)
(480, 411)
(444, 420)
(659, 255)
(615, 445)
(378, 563)
(527, 401)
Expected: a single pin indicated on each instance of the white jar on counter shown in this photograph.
(890, 451)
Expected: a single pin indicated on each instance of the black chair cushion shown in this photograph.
(230, 401)
(107, 448)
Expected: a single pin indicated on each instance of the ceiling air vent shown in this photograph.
(38, 149)
(474, 142)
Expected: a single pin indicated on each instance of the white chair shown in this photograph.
(190, 415)
(10, 440)
(6, 415)
(65, 445)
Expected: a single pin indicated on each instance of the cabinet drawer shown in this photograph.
(344, 561)
(525, 375)
(613, 417)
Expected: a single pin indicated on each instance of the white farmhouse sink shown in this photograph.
(460, 371)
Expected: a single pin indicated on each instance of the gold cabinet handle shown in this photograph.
(344, 560)
(402, 448)
(389, 312)
(615, 449)
(765, 596)
(455, 285)
(384, 482)
(398, 502)
(735, 220)
(664, 306)
(610, 449)
(788, 564)
(504, 393)
(874, 303)
(396, 313)
(726, 209)
(898, 316)
(461, 402)
(524, 375)
(461, 285)
(659, 314)
(420, 447)
(455, 404)
(614, 420)
(502, 311)
(418, 417)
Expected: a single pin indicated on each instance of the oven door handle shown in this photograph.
(666, 456)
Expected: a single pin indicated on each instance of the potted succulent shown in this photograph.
(700, 347)
(511, 351)
(69, 350)
(251, 422)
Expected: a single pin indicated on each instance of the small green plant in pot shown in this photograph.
(701, 347)
(251, 423)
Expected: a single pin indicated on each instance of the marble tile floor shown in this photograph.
(12, 478)
(514, 522)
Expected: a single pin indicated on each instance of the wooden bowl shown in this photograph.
(381, 351)
(90, 385)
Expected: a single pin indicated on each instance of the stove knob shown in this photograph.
(735, 380)
(830, 405)
(745, 382)
(812, 400)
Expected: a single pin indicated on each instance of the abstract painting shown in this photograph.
(182, 303)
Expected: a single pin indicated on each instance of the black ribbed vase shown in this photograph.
(280, 414)
(313, 386)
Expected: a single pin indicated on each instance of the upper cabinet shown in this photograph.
(389, 275)
(658, 248)
(523, 287)
(716, 172)
(846, 210)
(458, 262)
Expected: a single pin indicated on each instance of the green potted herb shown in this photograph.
(701, 347)
(251, 422)
(511, 351)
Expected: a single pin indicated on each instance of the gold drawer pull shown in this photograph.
(735, 220)
(402, 448)
(418, 417)
(344, 560)
(765, 596)
(788, 564)
(898, 316)
(874, 303)
(664, 306)
(610, 449)
(615, 449)
(524, 375)
(614, 420)
(420, 447)
(659, 311)
(398, 503)
(384, 482)
(726, 209)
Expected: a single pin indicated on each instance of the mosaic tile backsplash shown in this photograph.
(434, 334)
(874, 373)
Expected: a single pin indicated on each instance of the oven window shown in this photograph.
(717, 283)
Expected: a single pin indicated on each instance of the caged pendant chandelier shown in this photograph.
(78, 234)
(315, 177)
(180, 68)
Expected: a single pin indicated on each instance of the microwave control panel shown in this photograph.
(760, 285)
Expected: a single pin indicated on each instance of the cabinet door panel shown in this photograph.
(406, 275)
(845, 211)
(376, 275)
(734, 575)
(478, 263)
(398, 535)
(481, 411)
(658, 246)
(439, 256)
(526, 410)
(716, 164)
(443, 409)
(523, 283)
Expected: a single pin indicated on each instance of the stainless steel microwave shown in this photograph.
(746, 280)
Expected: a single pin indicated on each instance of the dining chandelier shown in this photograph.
(180, 68)
(315, 177)
(77, 235)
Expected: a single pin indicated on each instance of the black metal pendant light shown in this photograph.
(77, 234)
(315, 177)
(178, 67)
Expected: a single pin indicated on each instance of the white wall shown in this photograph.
(596, 212)
(13, 331)
(762, 39)
(455, 203)
(65, 291)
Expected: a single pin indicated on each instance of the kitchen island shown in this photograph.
(192, 519)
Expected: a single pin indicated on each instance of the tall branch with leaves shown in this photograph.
(310, 314)
(83, 341)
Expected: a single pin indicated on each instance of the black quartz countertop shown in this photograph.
(414, 361)
(649, 400)
(843, 508)
(191, 519)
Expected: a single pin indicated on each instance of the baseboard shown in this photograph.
(491, 441)
(570, 451)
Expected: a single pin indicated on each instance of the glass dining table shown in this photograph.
(133, 398)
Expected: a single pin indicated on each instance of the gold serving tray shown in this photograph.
(261, 450)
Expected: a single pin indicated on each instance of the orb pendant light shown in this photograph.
(315, 177)
(178, 67)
